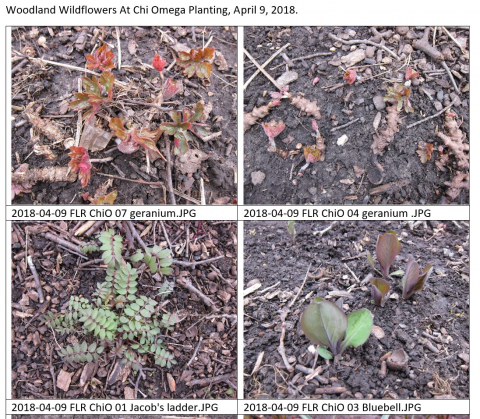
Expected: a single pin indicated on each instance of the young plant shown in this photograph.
(80, 163)
(183, 122)
(291, 230)
(197, 63)
(312, 155)
(272, 129)
(156, 258)
(132, 138)
(414, 280)
(117, 321)
(388, 247)
(350, 76)
(159, 63)
(326, 324)
(399, 95)
(425, 151)
(98, 90)
(101, 59)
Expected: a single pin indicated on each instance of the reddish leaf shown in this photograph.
(311, 154)
(158, 63)
(97, 91)
(410, 74)
(169, 89)
(424, 151)
(400, 95)
(350, 76)
(314, 125)
(108, 199)
(315, 81)
(273, 128)
(133, 138)
(80, 163)
(101, 59)
(197, 62)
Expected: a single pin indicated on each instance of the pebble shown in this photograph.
(342, 140)
(257, 177)
(354, 57)
(438, 105)
(312, 190)
(440, 95)
(407, 49)
(287, 78)
(402, 30)
(379, 102)
(370, 52)
(455, 99)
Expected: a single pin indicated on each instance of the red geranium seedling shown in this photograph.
(158, 63)
(273, 129)
(312, 155)
(170, 88)
(424, 151)
(197, 62)
(183, 123)
(400, 95)
(80, 163)
(101, 59)
(350, 76)
(132, 138)
(410, 74)
(97, 91)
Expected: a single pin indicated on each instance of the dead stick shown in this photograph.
(143, 182)
(151, 105)
(169, 173)
(195, 352)
(306, 57)
(208, 381)
(136, 235)
(330, 390)
(268, 76)
(188, 285)
(430, 117)
(363, 41)
(52, 373)
(200, 262)
(31, 265)
(166, 235)
(264, 65)
(63, 242)
(306, 370)
(392, 186)
(345, 125)
(95, 227)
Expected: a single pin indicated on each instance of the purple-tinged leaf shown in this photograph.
(388, 247)
(380, 290)
(414, 280)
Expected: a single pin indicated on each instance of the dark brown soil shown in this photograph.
(334, 181)
(440, 311)
(62, 276)
(50, 88)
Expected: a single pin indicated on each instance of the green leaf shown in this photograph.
(360, 324)
(129, 312)
(324, 352)
(145, 313)
(324, 324)
(137, 256)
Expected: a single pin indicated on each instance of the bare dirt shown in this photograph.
(351, 173)
(432, 327)
(49, 88)
(64, 273)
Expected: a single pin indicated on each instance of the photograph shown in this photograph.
(356, 310)
(124, 115)
(124, 310)
(356, 115)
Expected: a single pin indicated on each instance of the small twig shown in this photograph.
(200, 262)
(19, 66)
(268, 76)
(169, 173)
(452, 79)
(306, 57)
(188, 285)
(143, 182)
(345, 125)
(31, 265)
(63, 242)
(136, 235)
(353, 274)
(104, 160)
(363, 41)
(322, 232)
(166, 235)
(152, 105)
(95, 228)
(119, 48)
(207, 381)
(72, 251)
(195, 351)
(78, 133)
(264, 65)
(453, 39)
(217, 271)
(52, 373)
(202, 192)
(429, 117)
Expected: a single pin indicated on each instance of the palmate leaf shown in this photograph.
(132, 138)
(101, 59)
(197, 62)
(97, 91)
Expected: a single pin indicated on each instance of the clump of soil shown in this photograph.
(432, 327)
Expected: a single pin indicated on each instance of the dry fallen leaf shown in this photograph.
(64, 379)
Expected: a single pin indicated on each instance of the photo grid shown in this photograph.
(159, 173)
